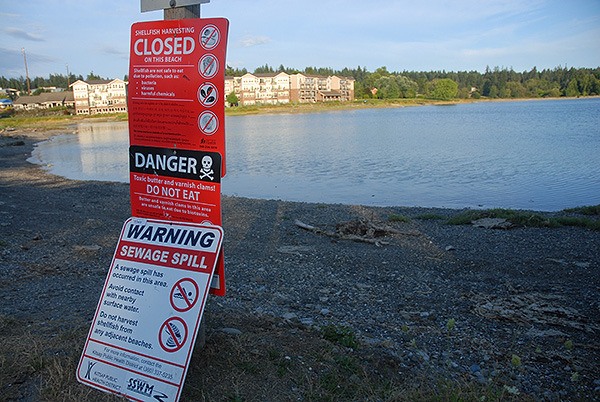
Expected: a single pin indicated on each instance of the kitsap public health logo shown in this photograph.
(142, 387)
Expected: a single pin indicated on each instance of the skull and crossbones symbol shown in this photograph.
(206, 171)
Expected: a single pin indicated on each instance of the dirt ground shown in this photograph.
(438, 312)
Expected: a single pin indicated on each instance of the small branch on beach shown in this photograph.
(308, 227)
(316, 230)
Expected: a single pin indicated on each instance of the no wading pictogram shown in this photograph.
(173, 334)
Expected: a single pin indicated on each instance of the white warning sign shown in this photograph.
(147, 319)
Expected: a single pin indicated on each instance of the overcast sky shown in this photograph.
(93, 35)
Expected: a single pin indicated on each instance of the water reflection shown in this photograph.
(529, 155)
(98, 151)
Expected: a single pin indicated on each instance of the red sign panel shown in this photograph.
(176, 81)
(177, 185)
(177, 107)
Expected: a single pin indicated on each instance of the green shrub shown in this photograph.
(525, 218)
(587, 210)
(398, 218)
(341, 335)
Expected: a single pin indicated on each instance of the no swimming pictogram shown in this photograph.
(184, 295)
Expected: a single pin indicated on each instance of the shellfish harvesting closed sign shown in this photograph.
(142, 335)
(176, 81)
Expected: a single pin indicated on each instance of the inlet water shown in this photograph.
(541, 155)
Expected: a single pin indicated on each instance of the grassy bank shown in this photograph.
(58, 119)
(530, 219)
(335, 106)
(42, 121)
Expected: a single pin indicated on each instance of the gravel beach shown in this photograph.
(516, 308)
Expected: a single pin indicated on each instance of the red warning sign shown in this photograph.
(176, 67)
(175, 103)
(175, 184)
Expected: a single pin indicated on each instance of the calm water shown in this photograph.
(542, 155)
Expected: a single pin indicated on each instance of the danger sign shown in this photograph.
(146, 322)
(175, 184)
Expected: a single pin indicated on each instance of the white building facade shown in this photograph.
(100, 96)
(280, 88)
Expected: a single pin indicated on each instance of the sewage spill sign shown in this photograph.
(147, 319)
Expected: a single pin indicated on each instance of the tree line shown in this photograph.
(493, 83)
(37, 84)
(384, 84)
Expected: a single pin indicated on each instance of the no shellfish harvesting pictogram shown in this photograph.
(173, 334)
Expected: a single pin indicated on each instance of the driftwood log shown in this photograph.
(361, 231)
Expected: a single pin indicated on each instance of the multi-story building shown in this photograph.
(276, 88)
(100, 96)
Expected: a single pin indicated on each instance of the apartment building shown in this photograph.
(100, 96)
(276, 88)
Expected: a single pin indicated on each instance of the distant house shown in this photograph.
(277, 88)
(314, 88)
(10, 92)
(45, 100)
(100, 96)
(6, 107)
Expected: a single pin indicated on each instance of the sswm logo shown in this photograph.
(143, 388)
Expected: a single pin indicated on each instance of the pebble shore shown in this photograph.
(518, 307)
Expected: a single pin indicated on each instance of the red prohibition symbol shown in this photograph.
(210, 37)
(184, 295)
(208, 66)
(208, 122)
(208, 94)
(173, 334)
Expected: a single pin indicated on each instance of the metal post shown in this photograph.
(180, 13)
